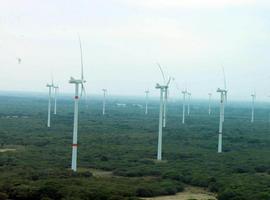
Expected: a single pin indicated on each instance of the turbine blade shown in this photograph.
(52, 79)
(83, 93)
(82, 90)
(81, 52)
(224, 78)
(169, 81)
(161, 70)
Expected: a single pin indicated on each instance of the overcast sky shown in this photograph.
(123, 39)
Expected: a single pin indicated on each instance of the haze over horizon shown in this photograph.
(123, 40)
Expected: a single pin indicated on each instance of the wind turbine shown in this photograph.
(184, 102)
(50, 86)
(209, 106)
(104, 101)
(184, 105)
(77, 82)
(166, 83)
(189, 96)
(223, 97)
(162, 89)
(253, 96)
(55, 97)
(146, 101)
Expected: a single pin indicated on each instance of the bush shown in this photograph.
(261, 168)
(227, 195)
(199, 181)
(213, 187)
(173, 175)
(24, 192)
(144, 192)
(3, 196)
(50, 190)
(263, 196)
(241, 170)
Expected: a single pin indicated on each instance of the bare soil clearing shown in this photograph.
(6, 150)
(97, 172)
(190, 192)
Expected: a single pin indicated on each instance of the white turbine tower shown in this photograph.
(104, 101)
(223, 97)
(165, 103)
(252, 107)
(209, 103)
(189, 96)
(77, 82)
(55, 98)
(50, 86)
(146, 101)
(184, 105)
(162, 89)
(165, 100)
(184, 102)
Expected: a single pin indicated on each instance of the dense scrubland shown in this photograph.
(36, 163)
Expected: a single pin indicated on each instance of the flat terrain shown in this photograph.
(117, 152)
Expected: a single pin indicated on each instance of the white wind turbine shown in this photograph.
(77, 82)
(55, 98)
(146, 101)
(253, 96)
(162, 89)
(166, 83)
(184, 105)
(223, 98)
(104, 101)
(209, 103)
(50, 86)
(189, 96)
(184, 102)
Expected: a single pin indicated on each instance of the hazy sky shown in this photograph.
(123, 40)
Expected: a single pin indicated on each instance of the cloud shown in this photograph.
(161, 4)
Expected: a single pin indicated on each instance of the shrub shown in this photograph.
(261, 168)
(144, 192)
(3, 196)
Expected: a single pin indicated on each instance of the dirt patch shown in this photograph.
(6, 150)
(190, 192)
(97, 172)
(12, 148)
(101, 173)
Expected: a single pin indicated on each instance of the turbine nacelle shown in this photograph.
(158, 86)
(222, 91)
(185, 91)
(49, 85)
(76, 81)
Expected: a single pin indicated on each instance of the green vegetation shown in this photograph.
(125, 143)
